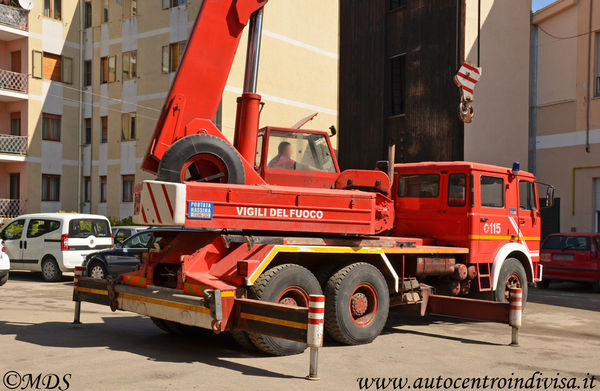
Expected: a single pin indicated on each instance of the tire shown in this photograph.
(50, 270)
(286, 284)
(544, 284)
(215, 155)
(243, 339)
(96, 269)
(513, 268)
(363, 284)
(179, 328)
(160, 324)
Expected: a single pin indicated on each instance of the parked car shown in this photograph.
(121, 233)
(571, 257)
(54, 243)
(4, 264)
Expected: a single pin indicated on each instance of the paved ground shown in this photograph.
(113, 351)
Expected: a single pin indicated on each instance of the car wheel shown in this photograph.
(50, 270)
(96, 270)
(512, 275)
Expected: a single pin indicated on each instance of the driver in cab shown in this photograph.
(284, 160)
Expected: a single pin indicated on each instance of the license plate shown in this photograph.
(563, 257)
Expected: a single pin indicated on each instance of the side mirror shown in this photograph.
(549, 197)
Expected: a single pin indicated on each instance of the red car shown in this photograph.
(571, 257)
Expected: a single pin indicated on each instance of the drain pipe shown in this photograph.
(80, 158)
(587, 108)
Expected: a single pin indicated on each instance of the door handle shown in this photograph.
(20, 244)
(25, 244)
(483, 219)
(521, 221)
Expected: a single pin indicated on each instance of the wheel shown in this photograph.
(202, 158)
(544, 284)
(512, 275)
(50, 270)
(357, 302)
(285, 284)
(243, 339)
(160, 324)
(96, 269)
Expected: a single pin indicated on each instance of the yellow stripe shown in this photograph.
(498, 237)
(227, 293)
(94, 291)
(164, 302)
(279, 322)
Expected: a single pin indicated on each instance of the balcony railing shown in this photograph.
(13, 17)
(13, 81)
(10, 208)
(16, 145)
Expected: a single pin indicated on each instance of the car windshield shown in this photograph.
(82, 228)
(563, 242)
(138, 241)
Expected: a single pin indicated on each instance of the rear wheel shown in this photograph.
(97, 270)
(160, 324)
(512, 275)
(357, 304)
(50, 270)
(201, 158)
(243, 339)
(287, 284)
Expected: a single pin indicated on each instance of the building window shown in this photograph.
(397, 85)
(104, 130)
(128, 127)
(87, 73)
(128, 183)
(50, 127)
(129, 8)
(52, 67)
(52, 9)
(172, 3)
(171, 56)
(50, 187)
(87, 14)
(87, 188)
(104, 11)
(87, 137)
(397, 4)
(108, 66)
(103, 188)
(130, 65)
(14, 186)
(597, 89)
(15, 124)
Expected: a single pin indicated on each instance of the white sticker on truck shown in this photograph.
(279, 213)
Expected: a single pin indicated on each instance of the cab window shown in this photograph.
(299, 151)
(420, 186)
(492, 192)
(38, 227)
(13, 230)
(527, 200)
(138, 241)
(457, 190)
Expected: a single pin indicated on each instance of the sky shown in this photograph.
(537, 4)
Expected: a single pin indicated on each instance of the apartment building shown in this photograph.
(39, 107)
(106, 67)
(566, 109)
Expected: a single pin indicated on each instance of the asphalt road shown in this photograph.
(114, 351)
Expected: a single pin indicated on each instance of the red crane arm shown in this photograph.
(202, 73)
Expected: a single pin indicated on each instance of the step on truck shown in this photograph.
(277, 223)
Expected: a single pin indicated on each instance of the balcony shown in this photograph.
(13, 148)
(13, 86)
(13, 23)
(10, 208)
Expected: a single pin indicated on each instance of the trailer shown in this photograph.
(289, 246)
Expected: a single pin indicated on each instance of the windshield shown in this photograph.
(574, 243)
(299, 151)
(82, 228)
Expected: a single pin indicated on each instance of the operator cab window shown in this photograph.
(419, 185)
(527, 200)
(457, 190)
(300, 152)
(492, 192)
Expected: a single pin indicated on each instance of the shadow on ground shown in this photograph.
(139, 336)
(567, 294)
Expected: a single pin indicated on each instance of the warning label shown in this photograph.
(200, 210)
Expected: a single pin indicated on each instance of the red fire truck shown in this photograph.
(281, 222)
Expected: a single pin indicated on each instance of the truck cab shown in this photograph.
(492, 211)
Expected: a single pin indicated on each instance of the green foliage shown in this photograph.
(114, 222)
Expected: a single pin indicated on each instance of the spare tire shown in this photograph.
(202, 158)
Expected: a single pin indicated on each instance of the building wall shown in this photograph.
(499, 133)
(563, 94)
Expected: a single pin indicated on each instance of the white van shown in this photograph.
(54, 242)
(4, 264)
